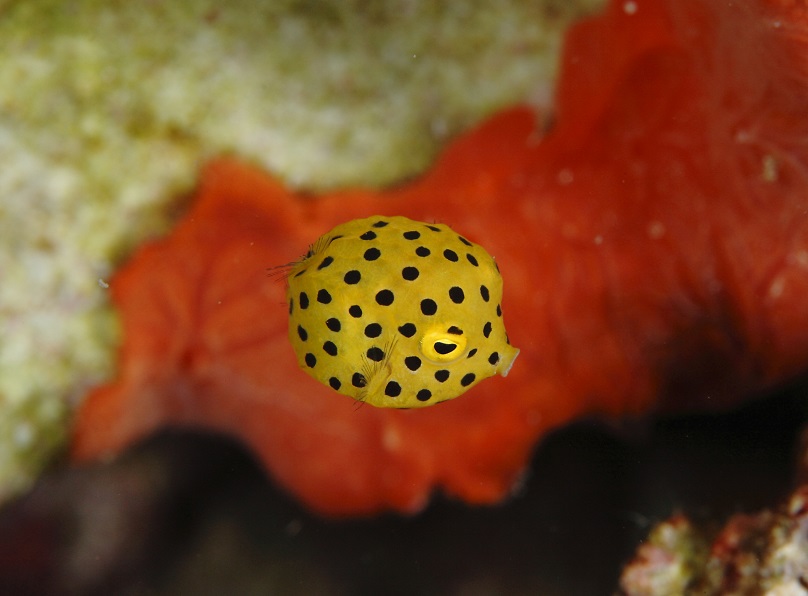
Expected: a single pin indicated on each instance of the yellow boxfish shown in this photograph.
(398, 313)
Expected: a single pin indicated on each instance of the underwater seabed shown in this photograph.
(665, 215)
(192, 513)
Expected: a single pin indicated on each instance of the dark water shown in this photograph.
(186, 513)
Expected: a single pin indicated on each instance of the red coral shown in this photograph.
(654, 248)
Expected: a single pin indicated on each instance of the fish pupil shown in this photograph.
(444, 348)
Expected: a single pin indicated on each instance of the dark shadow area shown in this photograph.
(189, 513)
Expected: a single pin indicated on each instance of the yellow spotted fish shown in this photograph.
(398, 313)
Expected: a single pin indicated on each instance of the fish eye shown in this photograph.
(444, 347)
(440, 345)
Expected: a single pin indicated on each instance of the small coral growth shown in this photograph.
(762, 553)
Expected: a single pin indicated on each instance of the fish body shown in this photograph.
(398, 313)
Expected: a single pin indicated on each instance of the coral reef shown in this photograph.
(761, 553)
(654, 247)
(107, 109)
